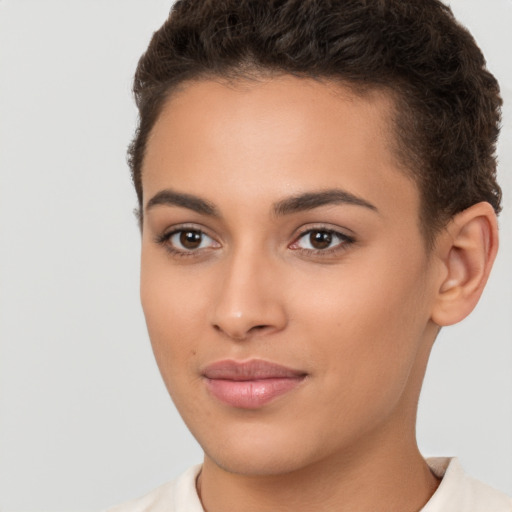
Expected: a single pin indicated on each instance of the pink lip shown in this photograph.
(250, 384)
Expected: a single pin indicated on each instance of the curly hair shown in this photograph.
(447, 104)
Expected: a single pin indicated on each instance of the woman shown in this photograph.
(317, 198)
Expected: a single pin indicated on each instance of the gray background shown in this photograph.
(85, 421)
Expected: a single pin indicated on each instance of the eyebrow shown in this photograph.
(311, 200)
(172, 198)
(290, 205)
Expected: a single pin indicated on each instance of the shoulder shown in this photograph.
(175, 496)
(458, 491)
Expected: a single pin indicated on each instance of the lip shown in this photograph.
(250, 384)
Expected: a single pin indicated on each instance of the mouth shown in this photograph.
(250, 384)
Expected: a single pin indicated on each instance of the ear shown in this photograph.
(466, 250)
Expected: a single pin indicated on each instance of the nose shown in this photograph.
(249, 299)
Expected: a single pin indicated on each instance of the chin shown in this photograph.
(251, 463)
(261, 451)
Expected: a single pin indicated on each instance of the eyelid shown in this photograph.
(176, 228)
(164, 237)
(346, 239)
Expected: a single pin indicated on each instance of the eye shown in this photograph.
(190, 239)
(185, 241)
(321, 240)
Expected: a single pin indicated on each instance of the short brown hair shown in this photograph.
(447, 103)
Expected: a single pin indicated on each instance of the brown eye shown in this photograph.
(320, 239)
(190, 239)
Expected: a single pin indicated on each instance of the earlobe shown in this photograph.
(467, 250)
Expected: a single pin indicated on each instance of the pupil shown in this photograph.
(320, 239)
(190, 239)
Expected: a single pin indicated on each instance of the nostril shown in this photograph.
(239, 335)
(240, 320)
(259, 327)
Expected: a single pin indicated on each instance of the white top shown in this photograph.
(457, 492)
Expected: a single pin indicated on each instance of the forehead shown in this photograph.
(253, 111)
(273, 138)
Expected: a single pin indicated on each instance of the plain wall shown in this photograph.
(85, 421)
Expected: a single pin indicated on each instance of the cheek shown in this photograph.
(171, 294)
(367, 323)
(174, 304)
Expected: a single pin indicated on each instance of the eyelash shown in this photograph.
(344, 243)
(164, 240)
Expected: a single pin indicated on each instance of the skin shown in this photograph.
(359, 317)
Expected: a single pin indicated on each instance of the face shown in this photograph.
(285, 281)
